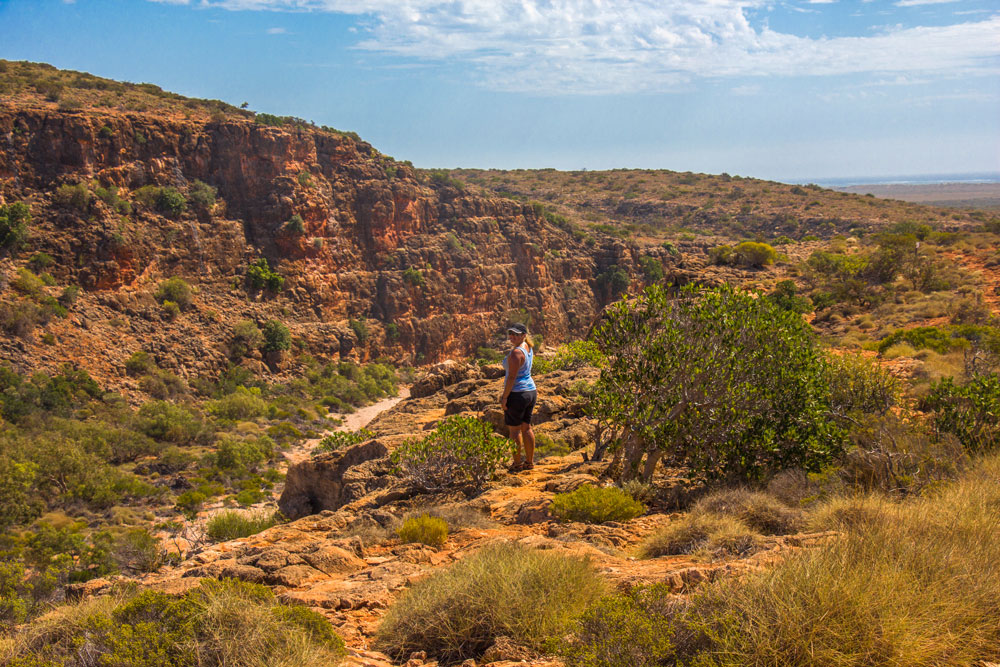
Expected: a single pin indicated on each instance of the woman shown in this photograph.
(518, 397)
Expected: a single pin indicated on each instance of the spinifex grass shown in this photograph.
(918, 585)
(230, 525)
(505, 589)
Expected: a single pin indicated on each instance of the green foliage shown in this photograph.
(140, 363)
(752, 254)
(941, 339)
(461, 450)
(359, 328)
(175, 290)
(219, 623)
(246, 338)
(720, 254)
(613, 282)
(169, 422)
(40, 261)
(971, 412)
(652, 269)
(716, 380)
(860, 385)
(413, 277)
(277, 337)
(237, 455)
(571, 356)
(425, 529)
(56, 394)
(190, 502)
(785, 296)
(443, 178)
(632, 629)
(202, 196)
(269, 120)
(73, 196)
(506, 589)
(14, 221)
(342, 440)
(244, 403)
(230, 525)
(260, 276)
(593, 504)
(295, 225)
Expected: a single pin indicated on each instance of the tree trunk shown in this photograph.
(651, 460)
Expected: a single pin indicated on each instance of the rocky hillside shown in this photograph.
(376, 260)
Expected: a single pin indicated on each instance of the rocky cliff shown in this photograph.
(427, 270)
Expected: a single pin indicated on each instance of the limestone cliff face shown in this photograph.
(433, 271)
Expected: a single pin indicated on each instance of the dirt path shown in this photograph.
(352, 422)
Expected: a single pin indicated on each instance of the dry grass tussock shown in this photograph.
(220, 623)
(702, 533)
(911, 583)
(505, 589)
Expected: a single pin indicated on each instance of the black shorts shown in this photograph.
(520, 405)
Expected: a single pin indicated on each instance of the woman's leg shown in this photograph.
(515, 435)
(528, 439)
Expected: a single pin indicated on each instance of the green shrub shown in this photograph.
(170, 202)
(190, 502)
(504, 589)
(785, 296)
(138, 551)
(425, 529)
(40, 261)
(175, 290)
(413, 277)
(140, 363)
(632, 629)
(754, 254)
(14, 221)
(721, 254)
(753, 416)
(277, 337)
(243, 455)
(652, 269)
(167, 422)
(241, 405)
(613, 282)
(202, 196)
(461, 450)
(593, 504)
(971, 412)
(73, 196)
(295, 225)
(230, 525)
(571, 356)
(170, 309)
(246, 338)
(359, 328)
(260, 276)
(546, 445)
(342, 440)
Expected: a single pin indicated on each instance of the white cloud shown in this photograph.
(277, 31)
(606, 46)
(917, 3)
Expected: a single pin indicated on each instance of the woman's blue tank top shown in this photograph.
(523, 381)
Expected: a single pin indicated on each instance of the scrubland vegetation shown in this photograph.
(90, 486)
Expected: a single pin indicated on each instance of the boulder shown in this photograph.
(318, 484)
(443, 375)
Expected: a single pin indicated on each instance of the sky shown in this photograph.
(795, 90)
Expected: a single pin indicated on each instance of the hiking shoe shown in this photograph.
(517, 466)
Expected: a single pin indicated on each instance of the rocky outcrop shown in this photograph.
(429, 270)
(330, 480)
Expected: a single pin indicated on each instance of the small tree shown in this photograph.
(276, 337)
(719, 380)
(246, 338)
(175, 290)
(14, 219)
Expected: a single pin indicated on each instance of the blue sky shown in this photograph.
(798, 90)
